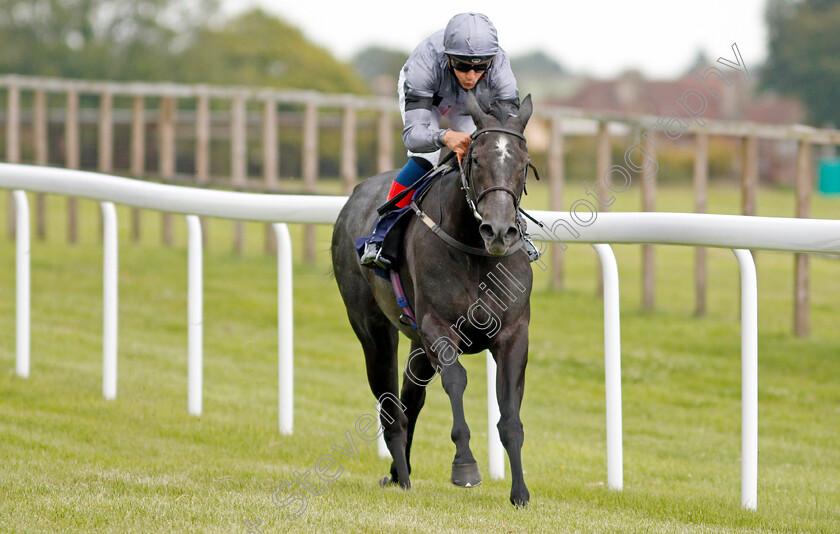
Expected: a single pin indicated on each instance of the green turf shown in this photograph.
(71, 461)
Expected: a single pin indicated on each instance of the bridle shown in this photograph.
(466, 174)
(468, 187)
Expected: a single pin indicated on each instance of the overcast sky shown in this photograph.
(597, 37)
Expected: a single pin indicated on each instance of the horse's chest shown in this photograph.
(475, 312)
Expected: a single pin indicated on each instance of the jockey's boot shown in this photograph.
(372, 256)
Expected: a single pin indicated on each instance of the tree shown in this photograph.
(803, 58)
(112, 39)
(157, 40)
(375, 62)
(536, 63)
(256, 48)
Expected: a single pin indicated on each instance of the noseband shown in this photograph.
(466, 174)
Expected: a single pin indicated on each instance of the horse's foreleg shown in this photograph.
(442, 353)
(464, 467)
(511, 356)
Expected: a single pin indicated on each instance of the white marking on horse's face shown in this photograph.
(502, 147)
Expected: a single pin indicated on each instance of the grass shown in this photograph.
(72, 461)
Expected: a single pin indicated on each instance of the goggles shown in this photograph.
(468, 63)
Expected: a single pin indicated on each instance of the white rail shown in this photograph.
(749, 379)
(724, 231)
(195, 315)
(109, 301)
(612, 367)
(22, 295)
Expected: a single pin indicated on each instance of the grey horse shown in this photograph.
(469, 292)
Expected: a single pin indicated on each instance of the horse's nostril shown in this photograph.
(511, 235)
(486, 232)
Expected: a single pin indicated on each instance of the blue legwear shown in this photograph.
(412, 171)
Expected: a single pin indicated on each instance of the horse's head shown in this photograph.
(494, 171)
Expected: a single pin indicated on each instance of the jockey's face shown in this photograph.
(468, 79)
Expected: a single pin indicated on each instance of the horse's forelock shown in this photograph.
(503, 111)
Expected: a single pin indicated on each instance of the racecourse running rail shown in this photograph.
(735, 232)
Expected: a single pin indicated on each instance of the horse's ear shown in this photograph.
(526, 108)
(481, 119)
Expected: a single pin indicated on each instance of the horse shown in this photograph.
(469, 284)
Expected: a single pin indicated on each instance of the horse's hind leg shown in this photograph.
(418, 374)
(379, 339)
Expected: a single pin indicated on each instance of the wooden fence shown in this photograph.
(26, 105)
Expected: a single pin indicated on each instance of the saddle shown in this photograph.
(395, 223)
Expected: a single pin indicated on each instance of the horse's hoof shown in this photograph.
(520, 499)
(466, 475)
(517, 503)
(386, 481)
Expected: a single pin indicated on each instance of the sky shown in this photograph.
(600, 38)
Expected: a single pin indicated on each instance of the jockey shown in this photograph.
(434, 82)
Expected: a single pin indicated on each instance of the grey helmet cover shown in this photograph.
(470, 34)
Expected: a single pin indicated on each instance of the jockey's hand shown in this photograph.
(457, 142)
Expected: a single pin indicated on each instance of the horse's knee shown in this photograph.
(454, 379)
(460, 432)
(511, 431)
(395, 426)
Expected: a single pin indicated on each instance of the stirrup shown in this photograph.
(372, 257)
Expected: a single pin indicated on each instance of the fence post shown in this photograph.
(269, 143)
(385, 159)
(556, 184)
(202, 148)
(12, 145)
(106, 133)
(310, 170)
(603, 157)
(648, 204)
(270, 160)
(138, 156)
(39, 127)
(701, 181)
(202, 140)
(166, 149)
(749, 176)
(803, 210)
(72, 156)
(349, 174)
(239, 159)
(105, 141)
